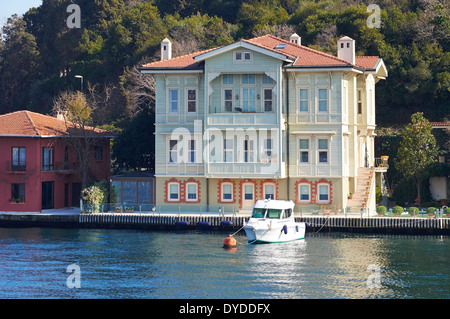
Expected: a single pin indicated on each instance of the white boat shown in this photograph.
(272, 221)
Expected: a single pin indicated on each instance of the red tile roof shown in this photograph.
(366, 62)
(302, 56)
(180, 62)
(440, 124)
(27, 123)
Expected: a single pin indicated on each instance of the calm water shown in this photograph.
(143, 264)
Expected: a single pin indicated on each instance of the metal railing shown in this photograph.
(16, 166)
(382, 162)
(174, 209)
(235, 211)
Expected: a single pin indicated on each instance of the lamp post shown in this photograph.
(81, 78)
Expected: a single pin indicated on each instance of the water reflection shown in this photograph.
(278, 270)
(140, 264)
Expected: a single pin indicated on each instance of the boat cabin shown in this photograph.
(273, 209)
(271, 213)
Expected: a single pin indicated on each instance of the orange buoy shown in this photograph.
(229, 242)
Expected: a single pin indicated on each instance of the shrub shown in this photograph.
(95, 194)
(397, 210)
(413, 211)
(430, 210)
(447, 211)
(381, 209)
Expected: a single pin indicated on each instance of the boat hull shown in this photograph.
(266, 232)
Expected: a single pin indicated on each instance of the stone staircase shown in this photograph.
(364, 180)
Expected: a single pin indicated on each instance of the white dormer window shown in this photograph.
(242, 56)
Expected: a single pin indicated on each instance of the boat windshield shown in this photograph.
(259, 212)
(274, 213)
(266, 213)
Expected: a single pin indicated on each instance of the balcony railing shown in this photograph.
(68, 167)
(238, 118)
(236, 169)
(16, 167)
(381, 163)
(181, 169)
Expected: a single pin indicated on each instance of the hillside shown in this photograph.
(40, 55)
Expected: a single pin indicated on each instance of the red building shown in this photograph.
(39, 166)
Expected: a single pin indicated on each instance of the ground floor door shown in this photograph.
(48, 195)
(248, 195)
(76, 191)
(66, 195)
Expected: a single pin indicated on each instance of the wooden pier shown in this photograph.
(395, 225)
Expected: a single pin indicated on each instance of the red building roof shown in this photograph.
(27, 123)
(440, 124)
(301, 55)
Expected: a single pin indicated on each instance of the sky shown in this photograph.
(9, 7)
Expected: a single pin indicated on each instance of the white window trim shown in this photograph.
(169, 109)
(301, 149)
(232, 79)
(274, 189)
(253, 191)
(187, 89)
(269, 84)
(328, 99)
(359, 100)
(300, 200)
(307, 100)
(223, 193)
(265, 158)
(263, 98)
(322, 150)
(252, 151)
(169, 151)
(189, 151)
(169, 193)
(344, 108)
(243, 54)
(249, 84)
(318, 200)
(248, 87)
(227, 87)
(231, 150)
(187, 192)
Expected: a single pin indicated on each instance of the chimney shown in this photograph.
(60, 116)
(166, 49)
(346, 49)
(295, 38)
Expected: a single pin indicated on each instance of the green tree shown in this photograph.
(19, 65)
(78, 111)
(198, 32)
(256, 14)
(417, 150)
(134, 148)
